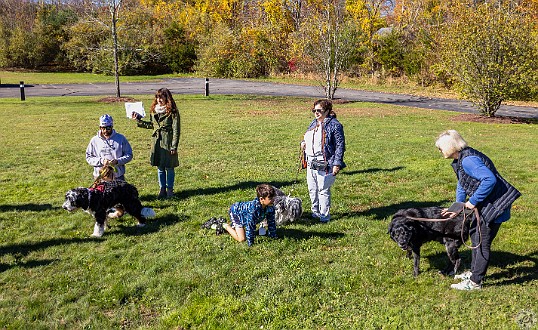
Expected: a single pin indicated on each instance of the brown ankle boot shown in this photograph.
(162, 193)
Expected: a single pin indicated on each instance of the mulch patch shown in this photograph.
(493, 120)
(116, 99)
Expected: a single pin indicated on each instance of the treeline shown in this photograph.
(418, 39)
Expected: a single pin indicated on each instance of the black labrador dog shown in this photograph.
(410, 234)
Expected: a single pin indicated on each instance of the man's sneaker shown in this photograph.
(463, 276)
(219, 230)
(208, 223)
(466, 285)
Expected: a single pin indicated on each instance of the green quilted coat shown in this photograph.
(166, 130)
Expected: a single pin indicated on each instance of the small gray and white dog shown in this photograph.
(287, 208)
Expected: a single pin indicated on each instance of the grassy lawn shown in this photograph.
(14, 77)
(172, 274)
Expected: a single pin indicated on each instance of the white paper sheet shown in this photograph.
(137, 107)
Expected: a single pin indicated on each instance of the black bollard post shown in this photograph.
(206, 87)
(22, 91)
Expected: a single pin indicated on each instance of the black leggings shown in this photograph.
(480, 256)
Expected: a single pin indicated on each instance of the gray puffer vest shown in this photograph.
(501, 197)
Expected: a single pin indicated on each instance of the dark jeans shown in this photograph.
(480, 256)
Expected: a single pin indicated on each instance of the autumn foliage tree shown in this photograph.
(490, 48)
(486, 48)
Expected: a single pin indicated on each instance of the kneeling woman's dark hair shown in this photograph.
(265, 190)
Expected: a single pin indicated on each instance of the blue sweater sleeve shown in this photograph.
(475, 168)
(251, 218)
(271, 224)
(461, 196)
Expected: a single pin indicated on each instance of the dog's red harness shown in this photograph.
(100, 187)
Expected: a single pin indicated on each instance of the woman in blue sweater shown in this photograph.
(488, 192)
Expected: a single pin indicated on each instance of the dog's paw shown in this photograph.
(98, 230)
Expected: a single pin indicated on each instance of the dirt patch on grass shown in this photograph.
(493, 120)
(116, 99)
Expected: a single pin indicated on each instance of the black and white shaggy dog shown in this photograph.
(410, 234)
(96, 201)
(287, 208)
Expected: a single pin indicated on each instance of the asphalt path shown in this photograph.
(232, 87)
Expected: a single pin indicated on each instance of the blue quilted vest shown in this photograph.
(501, 197)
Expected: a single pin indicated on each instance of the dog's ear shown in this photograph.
(391, 225)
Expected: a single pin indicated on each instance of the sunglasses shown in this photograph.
(108, 128)
(318, 110)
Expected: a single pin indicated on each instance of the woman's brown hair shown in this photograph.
(169, 102)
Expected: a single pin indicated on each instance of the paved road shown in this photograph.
(228, 86)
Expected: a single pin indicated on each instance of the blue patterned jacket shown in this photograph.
(334, 142)
(251, 213)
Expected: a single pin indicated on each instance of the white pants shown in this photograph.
(319, 189)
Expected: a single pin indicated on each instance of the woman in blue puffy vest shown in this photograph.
(324, 145)
(487, 191)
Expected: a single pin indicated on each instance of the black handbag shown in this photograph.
(319, 165)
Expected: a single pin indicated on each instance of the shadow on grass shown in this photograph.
(27, 264)
(184, 194)
(380, 213)
(152, 225)
(516, 269)
(19, 251)
(28, 207)
(302, 235)
(371, 170)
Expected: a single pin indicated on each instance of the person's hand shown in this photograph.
(113, 162)
(469, 206)
(303, 145)
(135, 116)
(173, 151)
(445, 213)
(336, 169)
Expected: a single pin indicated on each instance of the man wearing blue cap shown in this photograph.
(108, 147)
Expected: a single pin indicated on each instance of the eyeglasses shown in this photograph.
(318, 110)
(108, 128)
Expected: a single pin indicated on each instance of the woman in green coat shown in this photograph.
(165, 122)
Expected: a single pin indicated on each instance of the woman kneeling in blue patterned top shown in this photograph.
(245, 216)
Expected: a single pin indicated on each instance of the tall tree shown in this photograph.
(114, 7)
(491, 50)
(330, 37)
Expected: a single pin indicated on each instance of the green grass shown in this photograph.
(172, 274)
(29, 77)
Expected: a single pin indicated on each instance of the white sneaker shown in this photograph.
(463, 276)
(466, 285)
(98, 230)
(147, 213)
